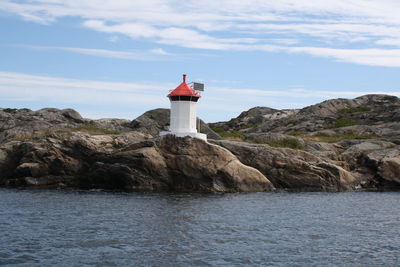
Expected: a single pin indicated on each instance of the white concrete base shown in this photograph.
(194, 135)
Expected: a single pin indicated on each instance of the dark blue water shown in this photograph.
(48, 228)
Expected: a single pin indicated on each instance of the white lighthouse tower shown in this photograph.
(183, 119)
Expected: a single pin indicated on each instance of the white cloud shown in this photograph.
(159, 51)
(113, 38)
(389, 41)
(326, 28)
(191, 39)
(372, 57)
(135, 55)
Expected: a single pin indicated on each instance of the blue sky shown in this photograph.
(119, 58)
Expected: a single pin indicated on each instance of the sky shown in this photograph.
(120, 58)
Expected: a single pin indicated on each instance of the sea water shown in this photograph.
(78, 228)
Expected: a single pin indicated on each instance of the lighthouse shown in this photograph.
(183, 120)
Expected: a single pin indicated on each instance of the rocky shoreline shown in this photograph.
(261, 150)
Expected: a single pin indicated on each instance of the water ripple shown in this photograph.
(78, 228)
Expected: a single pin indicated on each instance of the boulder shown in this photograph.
(73, 115)
(291, 169)
(387, 164)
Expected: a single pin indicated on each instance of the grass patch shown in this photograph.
(232, 134)
(218, 129)
(322, 137)
(295, 133)
(354, 110)
(342, 122)
(91, 129)
(285, 142)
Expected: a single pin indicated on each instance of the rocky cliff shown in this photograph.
(337, 145)
(125, 162)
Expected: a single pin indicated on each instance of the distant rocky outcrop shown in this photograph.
(25, 123)
(377, 115)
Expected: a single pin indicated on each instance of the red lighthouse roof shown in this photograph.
(184, 90)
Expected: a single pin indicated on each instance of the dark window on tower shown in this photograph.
(184, 98)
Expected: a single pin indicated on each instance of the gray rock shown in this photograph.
(292, 169)
(369, 145)
(321, 146)
(73, 115)
(387, 163)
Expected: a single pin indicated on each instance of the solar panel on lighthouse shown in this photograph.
(198, 86)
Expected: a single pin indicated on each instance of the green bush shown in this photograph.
(354, 110)
(295, 133)
(230, 134)
(342, 122)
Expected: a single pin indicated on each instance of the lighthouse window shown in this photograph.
(184, 98)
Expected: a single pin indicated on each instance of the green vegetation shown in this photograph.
(342, 122)
(218, 129)
(232, 134)
(322, 137)
(286, 142)
(354, 110)
(295, 133)
(91, 129)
